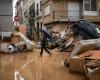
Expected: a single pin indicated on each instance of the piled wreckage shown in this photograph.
(84, 47)
(83, 44)
(19, 43)
(81, 30)
(85, 57)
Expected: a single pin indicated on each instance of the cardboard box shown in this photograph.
(77, 64)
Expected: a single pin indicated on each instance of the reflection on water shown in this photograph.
(17, 76)
(29, 66)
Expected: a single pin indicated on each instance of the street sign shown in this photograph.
(16, 18)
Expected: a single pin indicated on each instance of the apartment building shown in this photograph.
(33, 12)
(19, 10)
(29, 10)
(6, 20)
(58, 13)
(38, 16)
(23, 11)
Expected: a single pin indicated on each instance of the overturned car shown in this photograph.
(86, 29)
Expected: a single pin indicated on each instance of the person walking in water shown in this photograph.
(44, 43)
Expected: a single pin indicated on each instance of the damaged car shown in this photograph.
(85, 29)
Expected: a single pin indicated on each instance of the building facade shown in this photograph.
(23, 12)
(32, 10)
(58, 13)
(29, 12)
(19, 10)
(6, 20)
(38, 18)
(31, 19)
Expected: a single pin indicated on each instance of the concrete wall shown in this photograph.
(57, 13)
(6, 12)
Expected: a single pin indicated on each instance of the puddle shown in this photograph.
(18, 76)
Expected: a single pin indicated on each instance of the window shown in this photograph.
(87, 5)
(90, 7)
(47, 10)
(93, 5)
(37, 9)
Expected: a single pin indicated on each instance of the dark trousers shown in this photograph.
(44, 47)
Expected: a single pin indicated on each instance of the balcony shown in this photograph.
(72, 15)
(62, 16)
(59, 15)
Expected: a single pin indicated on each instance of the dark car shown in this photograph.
(86, 29)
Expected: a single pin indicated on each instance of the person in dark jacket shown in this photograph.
(43, 45)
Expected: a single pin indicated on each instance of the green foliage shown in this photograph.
(21, 21)
(31, 20)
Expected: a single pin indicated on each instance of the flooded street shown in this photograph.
(70, 29)
(29, 66)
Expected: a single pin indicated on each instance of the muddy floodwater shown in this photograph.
(29, 66)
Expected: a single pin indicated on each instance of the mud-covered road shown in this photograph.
(29, 66)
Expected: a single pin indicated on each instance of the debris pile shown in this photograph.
(92, 70)
(83, 43)
(81, 30)
(85, 55)
(85, 58)
(19, 43)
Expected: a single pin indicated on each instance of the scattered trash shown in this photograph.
(65, 44)
(22, 44)
(87, 63)
(17, 76)
(91, 72)
(62, 34)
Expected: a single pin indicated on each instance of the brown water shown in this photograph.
(29, 66)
